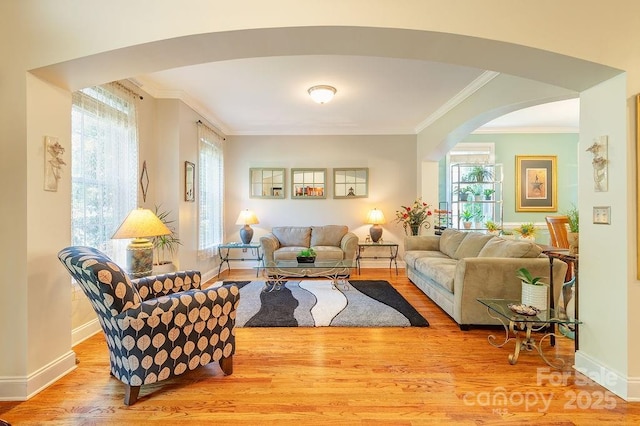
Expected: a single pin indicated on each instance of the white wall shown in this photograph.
(392, 177)
(604, 305)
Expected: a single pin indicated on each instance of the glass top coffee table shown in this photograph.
(519, 326)
(276, 273)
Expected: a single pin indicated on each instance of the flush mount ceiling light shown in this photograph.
(322, 94)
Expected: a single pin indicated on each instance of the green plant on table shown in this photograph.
(491, 226)
(526, 230)
(525, 275)
(308, 252)
(574, 218)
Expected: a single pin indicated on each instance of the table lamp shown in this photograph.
(246, 218)
(375, 217)
(139, 225)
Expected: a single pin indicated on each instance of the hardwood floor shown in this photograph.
(332, 375)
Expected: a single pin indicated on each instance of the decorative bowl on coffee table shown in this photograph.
(306, 259)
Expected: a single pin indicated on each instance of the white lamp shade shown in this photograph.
(247, 217)
(322, 94)
(375, 217)
(141, 223)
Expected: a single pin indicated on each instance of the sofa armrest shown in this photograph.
(349, 245)
(269, 243)
(426, 243)
(495, 278)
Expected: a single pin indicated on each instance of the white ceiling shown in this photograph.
(268, 96)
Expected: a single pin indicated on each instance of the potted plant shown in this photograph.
(478, 215)
(492, 227)
(306, 256)
(574, 228)
(477, 192)
(507, 234)
(479, 174)
(466, 215)
(527, 231)
(488, 192)
(534, 291)
(165, 246)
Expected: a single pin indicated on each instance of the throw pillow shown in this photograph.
(471, 245)
(329, 235)
(499, 247)
(450, 240)
(296, 236)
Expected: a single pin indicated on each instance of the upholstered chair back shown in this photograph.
(156, 327)
(105, 284)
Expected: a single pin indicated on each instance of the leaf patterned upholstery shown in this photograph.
(155, 327)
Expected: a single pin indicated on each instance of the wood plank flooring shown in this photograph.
(341, 376)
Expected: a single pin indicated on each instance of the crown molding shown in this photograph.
(505, 130)
(159, 93)
(456, 100)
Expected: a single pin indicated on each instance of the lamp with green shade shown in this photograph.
(139, 225)
(375, 217)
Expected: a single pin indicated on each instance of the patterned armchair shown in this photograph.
(155, 327)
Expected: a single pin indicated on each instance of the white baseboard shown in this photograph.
(21, 388)
(627, 388)
(82, 333)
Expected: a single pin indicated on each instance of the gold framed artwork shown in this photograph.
(536, 183)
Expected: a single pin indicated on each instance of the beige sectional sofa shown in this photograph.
(330, 242)
(457, 268)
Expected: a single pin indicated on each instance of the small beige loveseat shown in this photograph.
(330, 242)
(457, 268)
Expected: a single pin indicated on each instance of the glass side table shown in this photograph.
(519, 327)
(392, 256)
(225, 249)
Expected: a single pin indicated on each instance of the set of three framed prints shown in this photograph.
(308, 183)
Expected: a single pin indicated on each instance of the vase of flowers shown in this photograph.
(414, 217)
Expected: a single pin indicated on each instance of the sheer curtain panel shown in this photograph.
(104, 165)
(210, 191)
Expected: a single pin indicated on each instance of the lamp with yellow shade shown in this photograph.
(375, 217)
(139, 225)
(246, 218)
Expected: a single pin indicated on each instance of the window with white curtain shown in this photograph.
(104, 159)
(210, 191)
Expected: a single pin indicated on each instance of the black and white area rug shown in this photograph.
(315, 303)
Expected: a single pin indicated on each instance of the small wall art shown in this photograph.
(600, 149)
(189, 181)
(53, 163)
(308, 183)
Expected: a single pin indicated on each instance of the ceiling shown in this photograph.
(375, 95)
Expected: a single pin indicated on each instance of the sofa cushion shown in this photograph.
(411, 256)
(328, 252)
(440, 270)
(296, 236)
(471, 245)
(450, 240)
(328, 235)
(500, 247)
(287, 253)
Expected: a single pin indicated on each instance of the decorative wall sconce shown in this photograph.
(600, 161)
(53, 163)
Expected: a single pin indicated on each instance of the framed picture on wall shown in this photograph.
(536, 183)
(189, 181)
